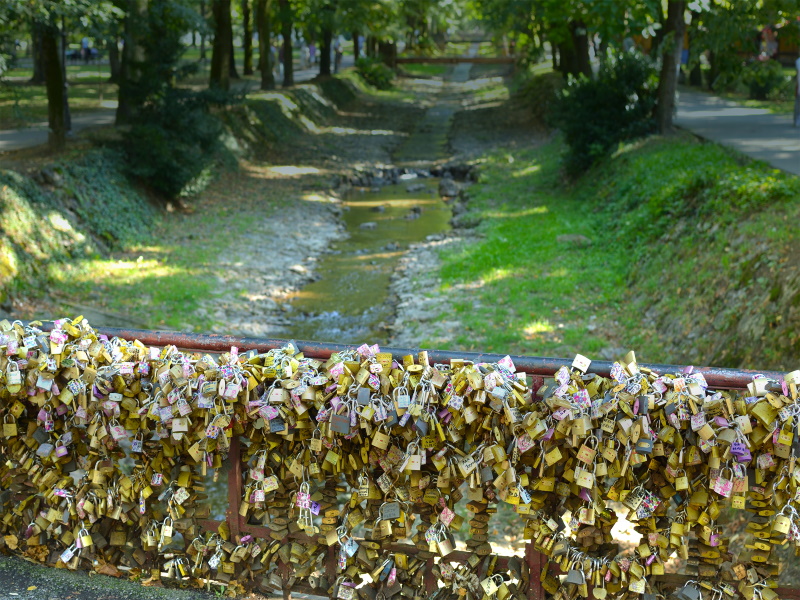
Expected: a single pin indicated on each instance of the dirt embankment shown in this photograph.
(243, 245)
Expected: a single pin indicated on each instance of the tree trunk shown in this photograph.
(286, 32)
(356, 48)
(248, 38)
(113, 60)
(580, 43)
(130, 66)
(328, 16)
(203, 32)
(388, 54)
(568, 59)
(56, 92)
(264, 26)
(672, 45)
(220, 76)
(325, 51)
(556, 57)
(232, 61)
(38, 55)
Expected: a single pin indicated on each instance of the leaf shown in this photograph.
(31, 588)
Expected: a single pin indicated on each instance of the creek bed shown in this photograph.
(349, 303)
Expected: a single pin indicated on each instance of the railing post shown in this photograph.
(534, 559)
(234, 488)
(429, 580)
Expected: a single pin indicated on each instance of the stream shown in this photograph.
(349, 303)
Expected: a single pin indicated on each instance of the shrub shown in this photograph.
(764, 78)
(596, 114)
(375, 73)
(540, 93)
(173, 140)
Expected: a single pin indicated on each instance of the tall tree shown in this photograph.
(203, 30)
(132, 61)
(264, 26)
(287, 24)
(38, 55)
(672, 47)
(327, 20)
(234, 74)
(57, 105)
(220, 76)
(248, 37)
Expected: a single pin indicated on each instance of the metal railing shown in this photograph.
(536, 367)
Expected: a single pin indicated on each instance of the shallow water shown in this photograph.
(348, 304)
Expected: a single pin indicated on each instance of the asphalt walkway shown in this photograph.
(36, 134)
(755, 132)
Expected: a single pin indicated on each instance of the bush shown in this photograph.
(375, 73)
(764, 78)
(540, 93)
(596, 114)
(173, 140)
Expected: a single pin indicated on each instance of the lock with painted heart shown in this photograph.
(588, 450)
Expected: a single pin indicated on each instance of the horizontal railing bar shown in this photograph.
(485, 60)
(717, 377)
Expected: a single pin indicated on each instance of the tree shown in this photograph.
(133, 58)
(264, 26)
(57, 105)
(38, 55)
(47, 18)
(287, 24)
(327, 22)
(672, 47)
(222, 46)
(248, 38)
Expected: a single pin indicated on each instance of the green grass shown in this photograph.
(692, 232)
(22, 105)
(534, 294)
(781, 106)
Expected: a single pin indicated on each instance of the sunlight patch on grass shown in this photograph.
(59, 223)
(527, 171)
(118, 271)
(514, 214)
(534, 329)
(497, 275)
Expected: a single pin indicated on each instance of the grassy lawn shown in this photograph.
(22, 104)
(783, 106)
(662, 219)
(529, 293)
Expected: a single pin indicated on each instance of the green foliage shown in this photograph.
(42, 226)
(541, 93)
(596, 114)
(662, 216)
(375, 73)
(108, 206)
(174, 137)
(765, 79)
(173, 140)
(643, 191)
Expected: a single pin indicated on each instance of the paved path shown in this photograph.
(752, 131)
(36, 134)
